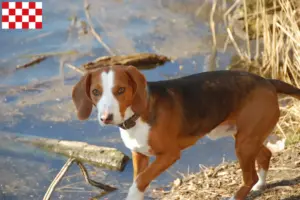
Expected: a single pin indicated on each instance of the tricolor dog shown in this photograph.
(162, 118)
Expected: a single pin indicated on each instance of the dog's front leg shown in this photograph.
(160, 164)
(140, 163)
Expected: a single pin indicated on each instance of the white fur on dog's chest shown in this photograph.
(136, 138)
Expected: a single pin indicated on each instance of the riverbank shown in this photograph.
(215, 183)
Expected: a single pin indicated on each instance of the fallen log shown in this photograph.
(139, 60)
(104, 157)
(77, 152)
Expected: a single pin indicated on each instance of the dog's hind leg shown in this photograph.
(263, 162)
(246, 153)
(255, 121)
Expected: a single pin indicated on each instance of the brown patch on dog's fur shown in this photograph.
(128, 77)
(81, 97)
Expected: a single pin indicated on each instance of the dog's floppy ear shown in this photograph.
(139, 102)
(81, 97)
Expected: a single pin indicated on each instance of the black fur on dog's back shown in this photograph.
(201, 96)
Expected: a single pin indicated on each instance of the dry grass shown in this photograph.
(276, 53)
(220, 182)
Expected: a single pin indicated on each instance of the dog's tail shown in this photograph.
(285, 88)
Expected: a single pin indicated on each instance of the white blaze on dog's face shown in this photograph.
(117, 92)
(113, 94)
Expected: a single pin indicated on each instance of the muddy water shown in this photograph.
(46, 110)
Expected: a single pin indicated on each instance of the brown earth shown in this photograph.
(220, 182)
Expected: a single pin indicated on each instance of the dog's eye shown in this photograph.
(121, 90)
(96, 92)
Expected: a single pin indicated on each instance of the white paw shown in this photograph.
(261, 182)
(134, 193)
(258, 186)
(232, 198)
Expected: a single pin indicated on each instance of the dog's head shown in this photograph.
(117, 92)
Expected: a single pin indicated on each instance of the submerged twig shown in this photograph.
(93, 31)
(85, 174)
(35, 61)
(74, 68)
(37, 58)
(49, 54)
(58, 178)
(102, 186)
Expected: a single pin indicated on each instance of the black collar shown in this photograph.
(130, 122)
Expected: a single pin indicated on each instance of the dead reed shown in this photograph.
(276, 37)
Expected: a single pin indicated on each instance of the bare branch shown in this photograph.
(93, 31)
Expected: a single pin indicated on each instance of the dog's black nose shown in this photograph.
(107, 118)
